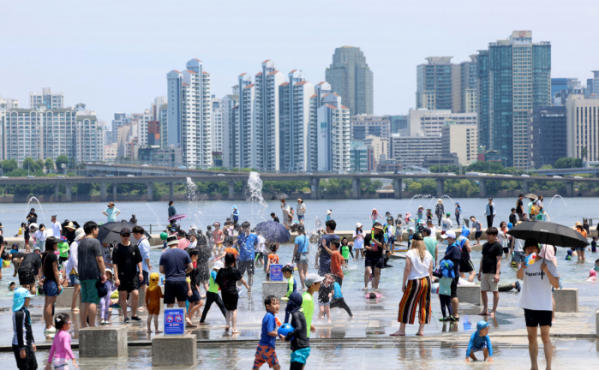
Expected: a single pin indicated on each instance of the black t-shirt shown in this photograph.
(48, 268)
(18, 255)
(227, 279)
(323, 293)
(454, 253)
(513, 219)
(519, 207)
(299, 334)
(126, 258)
(32, 218)
(379, 252)
(193, 276)
(490, 253)
(32, 261)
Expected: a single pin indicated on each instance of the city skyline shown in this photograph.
(128, 59)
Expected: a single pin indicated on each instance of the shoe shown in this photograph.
(127, 320)
(135, 318)
(455, 318)
(447, 318)
(103, 322)
(518, 287)
(116, 305)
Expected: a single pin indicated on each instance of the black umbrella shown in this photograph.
(110, 232)
(273, 231)
(549, 233)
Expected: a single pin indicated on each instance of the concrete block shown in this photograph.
(113, 339)
(169, 350)
(597, 324)
(66, 297)
(469, 294)
(566, 300)
(276, 288)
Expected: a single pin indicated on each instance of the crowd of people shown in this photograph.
(197, 264)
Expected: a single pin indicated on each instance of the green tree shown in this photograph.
(60, 160)
(39, 165)
(584, 152)
(9, 165)
(547, 167)
(568, 163)
(29, 164)
(415, 187)
(49, 164)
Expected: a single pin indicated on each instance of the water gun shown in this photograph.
(530, 259)
(372, 243)
(278, 321)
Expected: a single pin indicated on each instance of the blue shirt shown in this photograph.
(268, 324)
(477, 342)
(302, 243)
(246, 246)
(144, 249)
(111, 214)
(337, 290)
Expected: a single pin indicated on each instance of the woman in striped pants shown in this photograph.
(416, 287)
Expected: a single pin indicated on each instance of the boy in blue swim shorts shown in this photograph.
(265, 353)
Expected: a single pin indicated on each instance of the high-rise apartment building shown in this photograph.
(364, 125)
(42, 133)
(294, 104)
(468, 86)
(561, 88)
(321, 90)
(582, 127)
(462, 139)
(413, 150)
(10, 103)
(119, 120)
(229, 102)
(189, 114)
(358, 157)
(514, 77)
(47, 98)
(268, 117)
(548, 135)
(423, 122)
(243, 117)
(351, 78)
(162, 117)
(333, 126)
(592, 91)
(217, 126)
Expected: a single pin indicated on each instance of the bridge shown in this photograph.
(151, 175)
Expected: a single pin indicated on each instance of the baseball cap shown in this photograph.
(125, 231)
(312, 278)
(417, 236)
(18, 299)
(448, 234)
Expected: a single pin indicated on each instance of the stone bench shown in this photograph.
(469, 294)
(169, 350)
(566, 300)
(113, 341)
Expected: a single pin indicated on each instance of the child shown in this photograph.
(265, 353)
(209, 237)
(569, 254)
(23, 343)
(594, 245)
(273, 259)
(375, 215)
(480, 341)
(446, 223)
(60, 352)
(217, 239)
(11, 286)
(420, 213)
(338, 300)
(592, 276)
(329, 213)
(26, 236)
(325, 293)
(300, 344)
(313, 282)
(195, 302)
(445, 281)
(458, 213)
(291, 283)
(429, 215)
(346, 250)
(596, 268)
(105, 301)
(212, 294)
(153, 295)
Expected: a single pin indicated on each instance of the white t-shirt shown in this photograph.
(419, 268)
(261, 247)
(536, 288)
(301, 209)
(56, 229)
(519, 245)
(41, 235)
(446, 224)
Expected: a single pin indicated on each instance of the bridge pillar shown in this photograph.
(570, 189)
(114, 185)
(314, 188)
(150, 195)
(482, 188)
(439, 187)
(68, 192)
(103, 191)
(231, 190)
(525, 187)
(397, 182)
(356, 188)
(56, 192)
(171, 191)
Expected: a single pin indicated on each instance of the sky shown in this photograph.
(114, 55)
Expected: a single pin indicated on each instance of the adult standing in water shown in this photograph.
(374, 244)
(416, 287)
(171, 209)
(301, 254)
(453, 253)
(490, 268)
(359, 240)
(52, 287)
(301, 210)
(91, 269)
(490, 212)
(322, 257)
(520, 207)
(111, 212)
(439, 210)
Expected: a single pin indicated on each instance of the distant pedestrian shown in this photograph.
(301, 254)
(144, 248)
(227, 279)
(56, 227)
(91, 269)
(458, 213)
(439, 210)
(490, 269)
(212, 294)
(32, 217)
(301, 210)
(358, 237)
(111, 212)
(513, 217)
(490, 212)
(478, 229)
(322, 257)
(453, 253)
(520, 207)
(51, 280)
(246, 242)
(171, 209)
(133, 220)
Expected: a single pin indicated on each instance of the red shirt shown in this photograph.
(336, 261)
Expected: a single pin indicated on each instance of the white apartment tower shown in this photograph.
(245, 148)
(320, 90)
(333, 130)
(47, 98)
(228, 103)
(217, 125)
(267, 117)
(295, 97)
(189, 114)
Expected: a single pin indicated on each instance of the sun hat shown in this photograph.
(18, 299)
(379, 227)
(313, 278)
(172, 240)
(329, 211)
(358, 225)
(70, 226)
(218, 265)
(448, 234)
(79, 233)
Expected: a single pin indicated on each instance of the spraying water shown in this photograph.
(557, 213)
(254, 189)
(191, 190)
(38, 202)
(157, 218)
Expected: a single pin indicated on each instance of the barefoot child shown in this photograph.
(273, 259)
(61, 353)
(338, 300)
(105, 302)
(153, 295)
(325, 293)
(195, 302)
(480, 341)
(212, 294)
(265, 353)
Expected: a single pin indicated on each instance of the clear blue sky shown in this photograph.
(114, 55)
